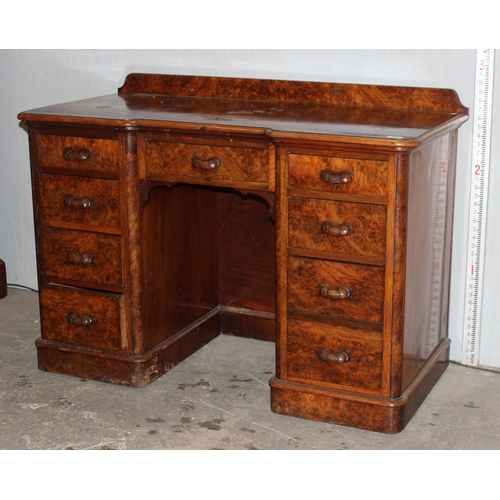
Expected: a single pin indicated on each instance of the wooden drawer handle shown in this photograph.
(211, 164)
(338, 357)
(340, 292)
(77, 320)
(73, 202)
(78, 258)
(343, 229)
(73, 154)
(343, 177)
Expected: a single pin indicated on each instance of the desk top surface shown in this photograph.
(266, 107)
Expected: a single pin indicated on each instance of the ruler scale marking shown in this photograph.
(477, 207)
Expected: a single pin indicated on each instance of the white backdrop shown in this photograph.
(34, 78)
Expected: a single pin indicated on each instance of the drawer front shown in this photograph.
(81, 257)
(333, 226)
(338, 175)
(336, 289)
(331, 355)
(203, 161)
(77, 153)
(81, 317)
(80, 200)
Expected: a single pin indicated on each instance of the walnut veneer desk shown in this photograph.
(316, 215)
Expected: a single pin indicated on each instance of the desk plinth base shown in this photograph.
(379, 414)
(137, 370)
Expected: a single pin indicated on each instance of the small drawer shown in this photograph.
(340, 227)
(80, 200)
(336, 289)
(80, 317)
(338, 174)
(78, 153)
(205, 161)
(334, 356)
(82, 257)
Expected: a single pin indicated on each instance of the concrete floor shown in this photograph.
(217, 399)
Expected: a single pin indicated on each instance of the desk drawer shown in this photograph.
(333, 226)
(206, 161)
(80, 200)
(82, 257)
(337, 174)
(78, 153)
(331, 355)
(336, 289)
(81, 317)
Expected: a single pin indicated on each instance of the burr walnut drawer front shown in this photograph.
(81, 257)
(81, 317)
(336, 289)
(80, 200)
(205, 161)
(334, 226)
(332, 355)
(338, 174)
(80, 153)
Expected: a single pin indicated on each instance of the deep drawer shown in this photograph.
(330, 355)
(77, 153)
(81, 317)
(205, 161)
(338, 175)
(336, 289)
(80, 200)
(81, 257)
(333, 226)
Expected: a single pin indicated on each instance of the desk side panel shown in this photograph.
(430, 206)
(179, 258)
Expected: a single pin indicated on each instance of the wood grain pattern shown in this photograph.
(105, 268)
(302, 401)
(105, 310)
(396, 270)
(131, 239)
(236, 163)
(117, 368)
(362, 372)
(246, 245)
(376, 96)
(379, 414)
(248, 323)
(369, 176)
(365, 283)
(179, 260)
(281, 258)
(306, 216)
(103, 212)
(383, 117)
(103, 152)
(180, 253)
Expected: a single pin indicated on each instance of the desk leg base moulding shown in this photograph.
(142, 370)
(134, 371)
(314, 215)
(387, 415)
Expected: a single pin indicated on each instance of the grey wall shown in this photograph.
(32, 78)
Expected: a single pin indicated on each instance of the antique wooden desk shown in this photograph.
(316, 215)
